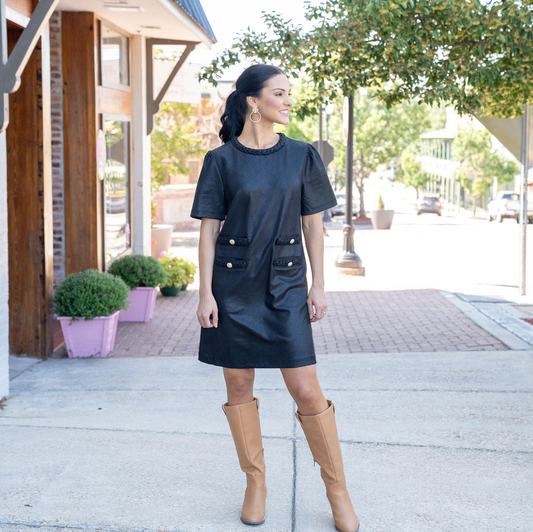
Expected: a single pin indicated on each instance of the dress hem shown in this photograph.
(305, 362)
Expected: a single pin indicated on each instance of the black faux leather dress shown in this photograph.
(259, 271)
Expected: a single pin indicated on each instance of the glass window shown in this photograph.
(117, 188)
(114, 57)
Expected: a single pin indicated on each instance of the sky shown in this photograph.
(229, 17)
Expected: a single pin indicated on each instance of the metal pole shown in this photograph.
(348, 214)
(326, 217)
(523, 197)
(320, 147)
(349, 259)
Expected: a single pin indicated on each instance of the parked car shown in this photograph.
(429, 203)
(340, 208)
(116, 203)
(506, 204)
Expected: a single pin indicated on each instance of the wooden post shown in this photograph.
(29, 192)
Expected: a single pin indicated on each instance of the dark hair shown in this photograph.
(250, 83)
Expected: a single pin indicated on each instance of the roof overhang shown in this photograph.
(508, 131)
(163, 19)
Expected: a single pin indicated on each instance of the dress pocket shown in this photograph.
(287, 263)
(233, 240)
(231, 263)
(288, 240)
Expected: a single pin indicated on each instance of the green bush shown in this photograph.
(175, 271)
(189, 268)
(139, 270)
(90, 294)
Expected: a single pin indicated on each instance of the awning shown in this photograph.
(195, 10)
(161, 19)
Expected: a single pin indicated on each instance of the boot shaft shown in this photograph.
(245, 426)
(321, 433)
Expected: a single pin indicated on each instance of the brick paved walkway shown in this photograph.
(363, 321)
(397, 321)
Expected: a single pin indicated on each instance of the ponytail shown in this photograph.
(250, 83)
(233, 117)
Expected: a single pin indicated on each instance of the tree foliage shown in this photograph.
(479, 164)
(409, 171)
(382, 134)
(477, 56)
(173, 140)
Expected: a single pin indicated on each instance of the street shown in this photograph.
(455, 253)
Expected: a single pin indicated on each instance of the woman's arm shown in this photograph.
(209, 231)
(314, 242)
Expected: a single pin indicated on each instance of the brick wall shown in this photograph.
(174, 203)
(57, 147)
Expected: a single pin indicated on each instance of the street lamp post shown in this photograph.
(349, 261)
(329, 111)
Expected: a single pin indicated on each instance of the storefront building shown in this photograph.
(436, 150)
(75, 148)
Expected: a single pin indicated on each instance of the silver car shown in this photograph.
(506, 204)
(340, 208)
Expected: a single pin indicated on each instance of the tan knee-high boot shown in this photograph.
(322, 437)
(245, 428)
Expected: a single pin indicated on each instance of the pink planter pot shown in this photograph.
(89, 338)
(142, 305)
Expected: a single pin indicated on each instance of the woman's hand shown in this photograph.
(206, 308)
(316, 298)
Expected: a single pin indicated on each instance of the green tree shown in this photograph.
(382, 134)
(473, 54)
(479, 164)
(173, 140)
(409, 171)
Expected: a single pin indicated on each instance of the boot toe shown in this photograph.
(253, 508)
(344, 515)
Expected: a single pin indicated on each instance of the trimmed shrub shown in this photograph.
(90, 294)
(139, 270)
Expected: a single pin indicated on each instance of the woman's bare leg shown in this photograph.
(304, 388)
(239, 385)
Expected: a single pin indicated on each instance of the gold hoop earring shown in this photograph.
(255, 110)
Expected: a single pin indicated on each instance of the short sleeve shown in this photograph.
(317, 192)
(209, 196)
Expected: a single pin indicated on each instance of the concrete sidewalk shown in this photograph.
(431, 442)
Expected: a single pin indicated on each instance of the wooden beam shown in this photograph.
(12, 66)
(153, 104)
(83, 225)
(29, 191)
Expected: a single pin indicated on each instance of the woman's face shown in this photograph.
(275, 102)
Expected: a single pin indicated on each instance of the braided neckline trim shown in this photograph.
(265, 151)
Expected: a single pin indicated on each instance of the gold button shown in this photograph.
(229, 265)
(290, 264)
(232, 241)
(292, 241)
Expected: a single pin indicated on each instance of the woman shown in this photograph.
(254, 308)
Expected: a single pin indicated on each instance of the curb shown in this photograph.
(511, 340)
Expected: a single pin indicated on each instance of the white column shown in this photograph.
(4, 273)
(141, 183)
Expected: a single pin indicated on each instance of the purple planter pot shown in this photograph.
(142, 305)
(89, 338)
